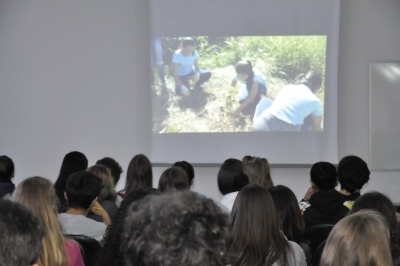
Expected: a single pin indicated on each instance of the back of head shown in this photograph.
(353, 173)
(20, 235)
(6, 169)
(255, 228)
(173, 178)
(139, 173)
(108, 192)
(38, 195)
(82, 188)
(287, 206)
(324, 176)
(358, 239)
(258, 171)
(110, 253)
(114, 167)
(312, 79)
(73, 162)
(231, 176)
(197, 228)
(188, 169)
(188, 41)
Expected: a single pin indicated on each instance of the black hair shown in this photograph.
(312, 80)
(20, 235)
(231, 176)
(176, 229)
(139, 173)
(187, 168)
(110, 252)
(324, 176)
(246, 67)
(73, 162)
(114, 166)
(353, 173)
(6, 169)
(173, 178)
(188, 41)
(82, 188)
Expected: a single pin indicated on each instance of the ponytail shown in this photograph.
(311, 79)
(249, 81)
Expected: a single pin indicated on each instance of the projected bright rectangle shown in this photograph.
(212, 104)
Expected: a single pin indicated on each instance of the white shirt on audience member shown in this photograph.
(72, 224)
(228, 200)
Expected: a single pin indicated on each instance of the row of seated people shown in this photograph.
(255, 223)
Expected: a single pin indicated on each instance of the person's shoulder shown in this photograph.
(177, 55)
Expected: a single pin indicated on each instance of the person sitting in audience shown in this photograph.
(292, 223)
(114, 167)
(256, 235)
(378, 202)
(107, 195)
(81, 192)
(175, 229)
(353, 174)
(7, 171)
(139, 174)
(73, 162)
(257, 169)
(189, 170)
(110, 253)
(173, 178)
(37, 194)
(323, 204)
(231, 179)
(20, 235)
(359, 239)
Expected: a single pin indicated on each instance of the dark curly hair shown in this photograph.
(353, 173)
(176, 229)
(110, 253)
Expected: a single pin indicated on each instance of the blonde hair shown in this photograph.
(258, 171)
(358, 239)
(37, 193)
(108, 192)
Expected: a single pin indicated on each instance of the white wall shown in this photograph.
(59, 60)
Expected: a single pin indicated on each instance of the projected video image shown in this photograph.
(238, 83)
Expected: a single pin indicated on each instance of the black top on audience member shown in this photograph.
(197, 228)
(139, 174)
(173, 178)
(7, 171)
(231, 177)
(110, 253)
(81, 189)
(379, 202)
(353, 174)
(114, 167)
(73, 162)
(20, 235)
(188, 169)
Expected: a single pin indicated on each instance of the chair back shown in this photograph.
(89, 246)
(315, 235)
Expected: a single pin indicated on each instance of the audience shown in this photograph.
(173, 178)
(7, 171)
(114, 167)
(359, 239)
(139, 174)
(20, 235)
(37, 194)
(256, 233)
(291, 221)
(231, 179)
(107, 195)
(175, 229)
(257, 169)
(189, 170)
(323, 204)
(110, 253)
(73, 162)
(378, 202)
(81, 192)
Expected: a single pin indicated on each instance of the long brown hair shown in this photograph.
(258, 171)
(37, 193)
(256, 236)
(108, 192)
(358, 239)
(139, 174)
